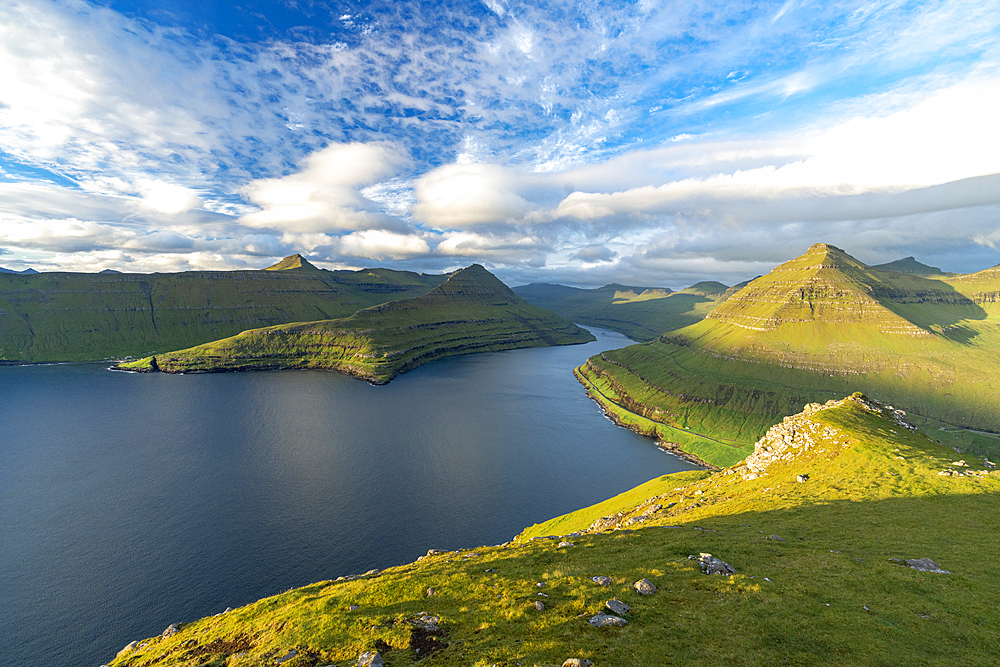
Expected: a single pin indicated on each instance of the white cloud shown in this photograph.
(459, 196)
(167, 197)
(378, 243)
(325, 195)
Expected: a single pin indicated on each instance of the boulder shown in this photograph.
(370, 659)
(603, 620)
(130, 647)
(925, 565)
(712, 565)
(802, 478)
(430, 592)
(775, 538)
(539, 605)
(617, 606)
(171, 630)
(644, 587)
(288, 656)
(577, 662)
(601, 580)
(563, 545)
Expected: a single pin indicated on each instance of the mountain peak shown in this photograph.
(823, 285)
(910, 265)
(295, 261)
(475, 283)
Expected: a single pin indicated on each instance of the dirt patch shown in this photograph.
(423, 642)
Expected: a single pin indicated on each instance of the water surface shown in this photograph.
(132, 501)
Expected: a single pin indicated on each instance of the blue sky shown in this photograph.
(651, 143)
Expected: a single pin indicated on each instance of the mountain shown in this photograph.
(817, 326)
(88, 316)
(292, 262)
(910, 265)
(641, 313)
(825, 571)
(25, 272)
(472, 311)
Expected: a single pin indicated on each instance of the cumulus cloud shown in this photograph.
(383, 244)
(324, 194)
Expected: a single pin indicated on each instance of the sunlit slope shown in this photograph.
(83, 316)
(470, 312)
(819, 574)
(821, 325)
(641, 313)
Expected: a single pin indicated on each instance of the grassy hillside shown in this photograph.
(85, 316)
(819, 574)
(818, 326)
(470, 312)
(641, 313)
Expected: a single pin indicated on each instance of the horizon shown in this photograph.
(551, 143)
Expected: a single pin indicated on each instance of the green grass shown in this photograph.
(471, 312)
(820, 326)
(873, 495)
(641, 313)
(83, 316)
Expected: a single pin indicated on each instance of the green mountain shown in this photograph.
(87, 316)
(472, 311)
(824, 572)
(911, 265)
(821, 325)
(641, 313)
(295, 261)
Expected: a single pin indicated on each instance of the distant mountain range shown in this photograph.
(25, 272)
(471, 311)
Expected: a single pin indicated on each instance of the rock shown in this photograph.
(712, 565)
(601, 580)
(352, 607)
(128, 648)
(372, 573)
(644, 587)
(171, 630)
(775, 538)
(603, 620)
(577, 662)
(433, 552)
(562, 545)
(427, 622)
(288, 656)
(617, 606)
(802, 478)
(989, 464)
(370, 659)
(539, 605)
(430, 592)
(925, 565)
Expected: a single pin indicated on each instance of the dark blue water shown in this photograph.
(129, 502)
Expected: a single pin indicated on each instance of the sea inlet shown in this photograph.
(132, 501)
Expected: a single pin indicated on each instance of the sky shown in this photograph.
(646, 143)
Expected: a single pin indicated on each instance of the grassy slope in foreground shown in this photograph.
(470, 312)
(88, 316)
(819, 326)
(641, 313)
(829, 594)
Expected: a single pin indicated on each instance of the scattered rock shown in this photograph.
(802, 478)
(577, 662)
(430, 592)
(171, 630)
(603, 620)
(288, 656)
(130, 647)
(562, 545)
(712, 565)
(989, 464)
(539, 605)
(775, 538)
(352, 607)
(426, 622)
(601, 580)
(370, 659)
(617, 606)
(644, 587)
(925, 565)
